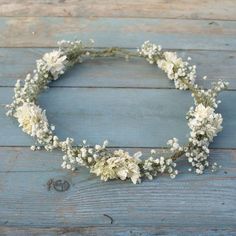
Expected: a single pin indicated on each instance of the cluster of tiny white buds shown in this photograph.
(178, 70)
(215, 167)
(174, 145)
(68, 43)
(150, 51)
(204, 124)
(155, 166)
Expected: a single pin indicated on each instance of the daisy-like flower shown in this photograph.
(171, 61)
(202, 112)
(31, 118)
(121, 165)
(171, 57)
(204, 124)
(205, 121)
(53, 62)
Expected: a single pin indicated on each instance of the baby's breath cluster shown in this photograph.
(204, 124)
(174, 145)
(203, 121)
(155, 165)
(176, 69)
(208, 97)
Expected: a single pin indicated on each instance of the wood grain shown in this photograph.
(117, 231)
(22, 159)
(184, 9)
(164, 202)
(129, 32)
(131, 103)
(118, 72)
(127, 117)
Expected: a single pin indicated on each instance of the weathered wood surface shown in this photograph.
(116, 231)
(140, 117)
(118, 72)
(130, 103)
(194, 9)
(122, 32)
(154, 203)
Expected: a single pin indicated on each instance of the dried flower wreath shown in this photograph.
(203, 121)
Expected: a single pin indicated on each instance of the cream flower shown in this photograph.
(53, 62)
(204, 124)
(171, 60)
(166, 66)
(205, 121)
(202, 112)
(31, 118)
(171, 57)
(121, 165)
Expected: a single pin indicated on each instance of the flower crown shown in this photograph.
(203, 121)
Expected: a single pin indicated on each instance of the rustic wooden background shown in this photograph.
(131, 103)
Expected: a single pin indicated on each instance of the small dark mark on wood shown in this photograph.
(109, 218)
(5, 222)
(222, 203)
(213, 23)
(226, 172)
(49, 184)
(61, 185)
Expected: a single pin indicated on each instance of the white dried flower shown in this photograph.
(53, 62)
(120, 165)
(31, 118)
(204, 124)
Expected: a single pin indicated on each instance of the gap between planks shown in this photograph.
(110, 87)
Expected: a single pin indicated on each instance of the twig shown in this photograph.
(109, 218)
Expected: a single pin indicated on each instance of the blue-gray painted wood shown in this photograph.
(118, 72)
(162, 202)
(118, 231)
(190, 205)
(126, 117)
(22, 159)
(122, 32)
(159, 203)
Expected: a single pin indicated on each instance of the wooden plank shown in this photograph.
(127, 117)
(184, 9)
(130, 32)
(117, 231)
(206, 201)
(118, 72)
(22, 159)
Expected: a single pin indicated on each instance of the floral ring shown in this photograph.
(203, 121)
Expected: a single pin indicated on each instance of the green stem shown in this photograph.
(110, 52)
(177, 155)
